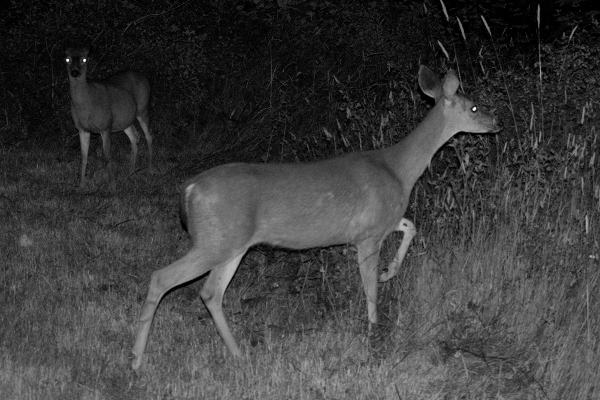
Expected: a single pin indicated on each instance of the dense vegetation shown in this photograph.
(498, 298)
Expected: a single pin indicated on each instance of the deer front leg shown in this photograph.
(107, 156)
(410, 231)
(368, 256)
(84, 140)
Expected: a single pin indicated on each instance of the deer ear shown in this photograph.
(450, 84)
(86, 49)
(430, 83)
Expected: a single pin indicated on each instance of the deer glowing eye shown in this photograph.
(84, 60)
(474, 109)
(68, 59)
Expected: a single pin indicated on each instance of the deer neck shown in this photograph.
(80, 90)
(412, 155)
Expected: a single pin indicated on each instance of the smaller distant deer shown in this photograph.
(107, 105)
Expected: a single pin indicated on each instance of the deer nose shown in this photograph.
(74, 73)
(498, 124)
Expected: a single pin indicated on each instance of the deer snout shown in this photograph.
(74, 73)
(498, 125)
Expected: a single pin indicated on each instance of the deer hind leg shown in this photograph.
(144, 121)
(212, 295)
(84, 140)
(368, 256)
(410, 231)
(185, 269)
(134, 138)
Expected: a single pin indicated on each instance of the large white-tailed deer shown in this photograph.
(107, 105)
(357, 198)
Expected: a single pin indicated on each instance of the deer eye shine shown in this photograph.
(474, 109)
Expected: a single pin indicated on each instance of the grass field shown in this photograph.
(498, 298)
(509, 311)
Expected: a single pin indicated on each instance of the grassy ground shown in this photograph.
(76, 273)
(508, 312)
